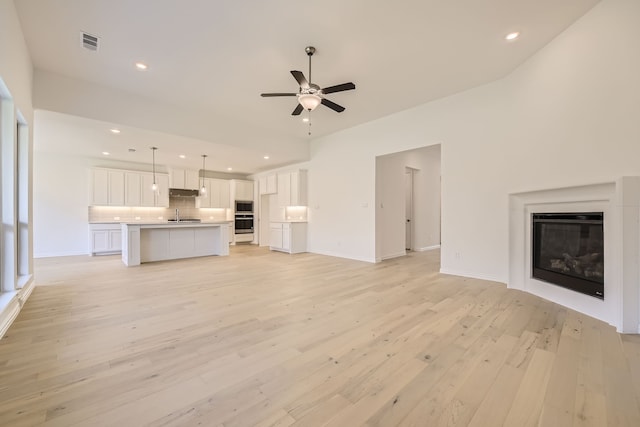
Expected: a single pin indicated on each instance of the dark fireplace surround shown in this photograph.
(568, 251)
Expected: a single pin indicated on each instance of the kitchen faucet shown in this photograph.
(177, 215)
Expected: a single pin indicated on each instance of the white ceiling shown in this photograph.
(216, 57)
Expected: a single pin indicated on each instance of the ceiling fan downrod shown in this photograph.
(310, 51)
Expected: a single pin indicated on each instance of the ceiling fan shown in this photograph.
(311, 95)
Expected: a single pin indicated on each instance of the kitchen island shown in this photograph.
(148, 242)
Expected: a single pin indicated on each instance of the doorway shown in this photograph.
(408, 207)
(407, 202)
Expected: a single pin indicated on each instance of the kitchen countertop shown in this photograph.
(147, 222)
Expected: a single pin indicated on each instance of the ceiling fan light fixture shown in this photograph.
(309, 101)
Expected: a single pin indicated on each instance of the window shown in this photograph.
(15, 155)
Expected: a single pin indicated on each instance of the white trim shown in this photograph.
(9, 309)
(55, 254)
(339, 255)
(391, 256)
(427, 248)
(11, 303)
(471, 275)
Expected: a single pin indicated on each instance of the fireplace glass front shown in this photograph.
(568, 251)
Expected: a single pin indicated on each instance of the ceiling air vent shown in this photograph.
(89, 42)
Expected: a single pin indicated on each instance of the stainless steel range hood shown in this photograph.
(179, 192)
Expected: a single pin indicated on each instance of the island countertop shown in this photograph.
(173, 224)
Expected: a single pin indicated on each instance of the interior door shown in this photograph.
(408, 185)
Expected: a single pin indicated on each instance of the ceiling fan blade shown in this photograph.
(339, 88)
(332, 105)
(297, 110)
(302, 81)
(277, 94)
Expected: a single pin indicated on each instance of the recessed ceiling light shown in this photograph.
(229, 169)
(106, 153)
(114, 130)
(141, 66)
(512, 36)
(266, 157)
(305, 119)
(182, 156)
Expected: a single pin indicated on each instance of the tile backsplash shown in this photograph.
(145, 214)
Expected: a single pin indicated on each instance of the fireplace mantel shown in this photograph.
(620, 202)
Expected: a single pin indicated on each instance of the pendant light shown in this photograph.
(154, 186)
(203, 189)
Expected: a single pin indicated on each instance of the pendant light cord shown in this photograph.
(153, 153)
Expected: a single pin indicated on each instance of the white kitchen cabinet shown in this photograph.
(204, 200)
(139, 190)
(217, 195)
(220, 193)
(147, 195)
(133, 189)
(116, 188)
(107, 187)
(186, 179)
(292, 188)
(269, 184)
(99, 187)
(105, 239)
(288, 237)
(159, 198)
(242, 190)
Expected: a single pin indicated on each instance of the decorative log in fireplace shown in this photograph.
(568, 251)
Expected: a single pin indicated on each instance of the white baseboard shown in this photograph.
(396, 255)
(471, 275)
(9, 309)
(55, 254)
(11, 303)
(427, 248)
(340, 255)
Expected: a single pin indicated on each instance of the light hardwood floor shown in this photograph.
(270, 339)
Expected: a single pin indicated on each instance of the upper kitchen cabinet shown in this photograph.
(242, 190)
(106, 187)
(159, 198)
(185, 179)
(220, 193)
(133, 189)
(292, 188)
(269, 184)
(112, 187)
(217, 195)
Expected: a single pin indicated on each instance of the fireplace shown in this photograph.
(568, 251)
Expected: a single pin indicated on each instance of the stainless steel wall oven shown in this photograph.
(243, 223)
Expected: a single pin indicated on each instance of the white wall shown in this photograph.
(15, 63)
(390, 201)
(568, 116)
(60, 205)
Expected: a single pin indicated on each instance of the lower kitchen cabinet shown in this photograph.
(105, 239)
(288, 237)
